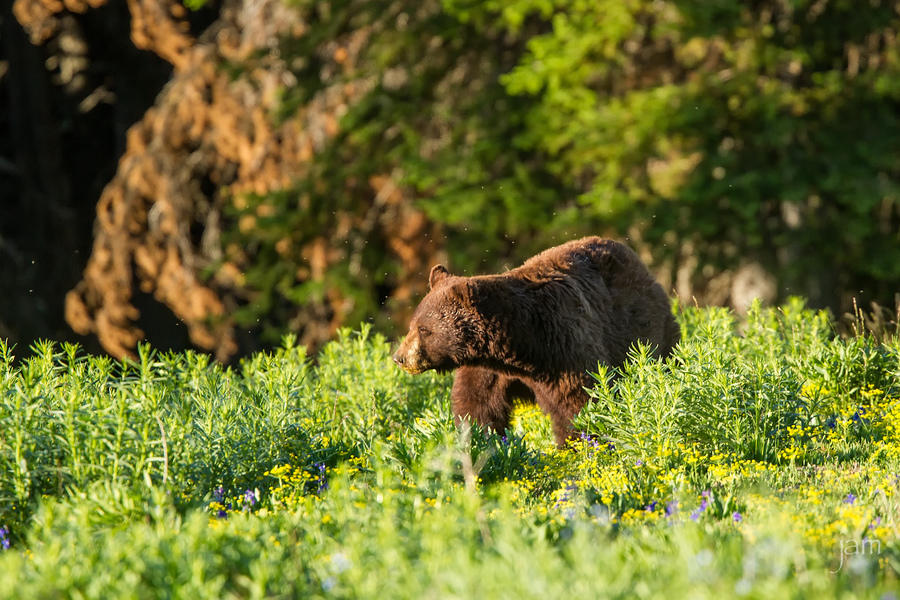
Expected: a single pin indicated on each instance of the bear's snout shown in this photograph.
(408, 356)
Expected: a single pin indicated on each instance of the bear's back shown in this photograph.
(629, 302)
(614, 262)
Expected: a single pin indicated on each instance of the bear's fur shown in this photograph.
(534, 332)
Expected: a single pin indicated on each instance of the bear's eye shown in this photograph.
(424, 331)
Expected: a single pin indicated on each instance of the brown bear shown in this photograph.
(536, 331)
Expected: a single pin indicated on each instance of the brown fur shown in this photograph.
(536, 331)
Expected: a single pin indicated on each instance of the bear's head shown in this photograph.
(443, 328)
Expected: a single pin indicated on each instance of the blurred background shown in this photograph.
(214, 174)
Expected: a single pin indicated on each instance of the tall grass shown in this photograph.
(743, 390)
(744, 465)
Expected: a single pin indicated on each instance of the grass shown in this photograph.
(761, 460)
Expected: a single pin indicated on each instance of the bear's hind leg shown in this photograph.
(562, 402)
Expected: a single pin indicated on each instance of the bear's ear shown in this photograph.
(438, 274)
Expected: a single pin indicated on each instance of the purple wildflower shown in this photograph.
(249, 498)
(875, 523)
(323, 482)
(850, 498)
(638, 463)
(671, 508)
(566, 495)
(219, 498)
(4, 538)
(737, 517)
(651, 507)
(696, 514)
(591, 440)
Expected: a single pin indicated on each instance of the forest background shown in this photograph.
(216, 174)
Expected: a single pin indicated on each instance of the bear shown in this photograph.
(535, 332)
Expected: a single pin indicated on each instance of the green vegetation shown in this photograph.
(714, 134)
(761, 460)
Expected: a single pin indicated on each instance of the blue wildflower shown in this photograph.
(4, 538)
(696, 514)
(737, 517)
(671, 508)
(323, 482)
(651, 507)
(249, 498)
(850, 498)
(566, 495)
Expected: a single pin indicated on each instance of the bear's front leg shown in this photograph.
(485, 397)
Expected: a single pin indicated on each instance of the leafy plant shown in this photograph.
(710, 473)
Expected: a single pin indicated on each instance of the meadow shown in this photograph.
(759, 461)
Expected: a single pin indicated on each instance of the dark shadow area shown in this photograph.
(65, 108)
(161, 327)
